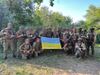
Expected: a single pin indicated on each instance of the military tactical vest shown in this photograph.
(91, 37)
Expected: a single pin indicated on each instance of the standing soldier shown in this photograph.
(21, 36)
(60, 33)
(49, 33)
(64, 39)
(80, 32)
(74, 38)
(30, 35)
(84, 37)
(43, 32)
(91, 41)
(85, 32)
(55, 33)
(9, 40)
(67, 42)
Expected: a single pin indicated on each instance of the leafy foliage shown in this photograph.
(93, 20)
(52, 19)
(23, 12)
(93, 17)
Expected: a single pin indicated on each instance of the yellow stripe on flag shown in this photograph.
(50, 46)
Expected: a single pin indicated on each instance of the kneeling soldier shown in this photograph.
(37, 46)
(26, 49)
(80, 49)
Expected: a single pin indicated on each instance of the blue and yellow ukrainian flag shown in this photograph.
(50, 43)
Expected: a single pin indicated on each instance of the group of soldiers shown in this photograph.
(79, 42)
(27, 42)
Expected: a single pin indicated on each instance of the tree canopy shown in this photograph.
(93, 17)
(24, 12)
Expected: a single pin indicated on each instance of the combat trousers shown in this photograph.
(92, 48)
(19, 43)
(9, 44)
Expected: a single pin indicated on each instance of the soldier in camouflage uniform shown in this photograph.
(30, 34)
(49, 33)
(26, 49)
(80, 49)
(67, 42)
(55, 33)
(37, 43)
(84, 37)
(21, 36)
(74, 38)
(80, 32)
(91, 36)
(37, 46)
(9, 40)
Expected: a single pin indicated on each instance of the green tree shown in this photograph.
(93, 20)
(93, 17)
(23, 12)
(4, 14)
(52, 19)
(81, 24)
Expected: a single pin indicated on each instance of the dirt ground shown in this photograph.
(51, 63)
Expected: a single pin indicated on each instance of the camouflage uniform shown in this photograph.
(67, 42)
(37, 43)
(26, 49)
(91, 37)
(84, 37)
(21, 36)
(80, 32)
(80, 49)
(37, 46)
(49, 33)
(55, 33)
(30, 35)
(9, 40)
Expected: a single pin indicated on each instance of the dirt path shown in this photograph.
(55, 64)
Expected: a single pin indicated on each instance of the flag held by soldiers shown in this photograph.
(50, 43)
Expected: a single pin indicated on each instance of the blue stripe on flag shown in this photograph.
(50, 40)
